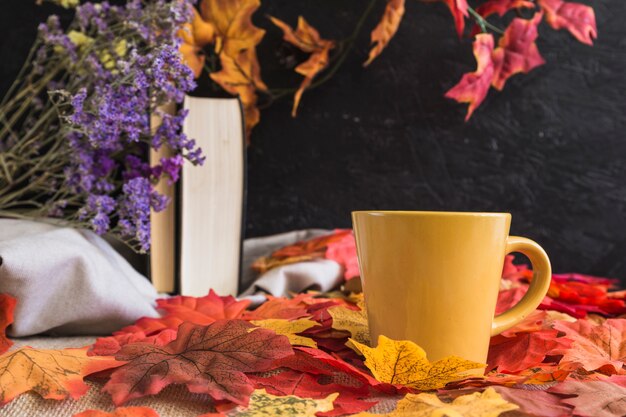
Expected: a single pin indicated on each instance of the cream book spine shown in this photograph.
(212, 198)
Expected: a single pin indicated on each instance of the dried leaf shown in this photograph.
(474, 86)
(405, 363)
(241, 75)
(195, 36)
(594, 346)
(304, 385)
(594, 399)
(232, 20)
(524, 350)
(517, 51)
(120, 412)
(53, 374)
(207, 359)
(7, 306)
(386, 28)
(289, 329)
(307, 39)
(501, 7)
(578, 18)
(354, 322)
(486, 404)
(264, 404)
(535, 402)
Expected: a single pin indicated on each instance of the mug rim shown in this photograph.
(412, 213)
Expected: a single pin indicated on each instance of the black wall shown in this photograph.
(550, 149)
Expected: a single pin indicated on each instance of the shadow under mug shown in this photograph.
(433, 278)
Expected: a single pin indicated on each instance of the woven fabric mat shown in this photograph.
(173, 401)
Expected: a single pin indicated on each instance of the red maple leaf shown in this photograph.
(578, 18)
(280, 308)
(594, 346)
(594, 398)
(343, 252)
(474, 86)
(305, 385)
(535, 402)
(524, 350)
(7, 306)
(120, 412)
(459, 11)
(517, 51)
(209, 359)
(109, 346)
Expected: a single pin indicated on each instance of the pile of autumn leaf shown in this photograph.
(310, 355)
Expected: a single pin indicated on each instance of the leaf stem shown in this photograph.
(482, 22)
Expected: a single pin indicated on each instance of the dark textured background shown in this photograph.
(551, 148)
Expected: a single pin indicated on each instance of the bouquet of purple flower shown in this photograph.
(75, 126)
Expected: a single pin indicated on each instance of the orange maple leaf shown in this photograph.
(7, 305)
(386, 28)
(120, 412)
(474, 86)
(578, 18)
(307, 39)
(501, 7)
(53, 374)
(517, 51)
(195, 35)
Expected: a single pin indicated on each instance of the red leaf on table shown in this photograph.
(594, 346)
(120, 412)
(474, 86)
(207, 359)
(386, 28)
(594, 399)
(343, 252)
(7, 306)
(578, 18)
(501, 7)
(524, 350)
(280, 308)
(108, 346)
(535, 402)
(517, 51)
(305, 385)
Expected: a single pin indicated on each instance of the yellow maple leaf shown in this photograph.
(386, 28)
(486, 404)
(53, 374)
(195, 35)
(353, 321)
(405, 363)
(290, 329)
(264, 404)
(307, 39)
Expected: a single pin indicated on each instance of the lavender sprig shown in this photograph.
(75, 128)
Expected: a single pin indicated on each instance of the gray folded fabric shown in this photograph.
(68, 281)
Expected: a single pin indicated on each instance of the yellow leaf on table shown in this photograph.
(264, 404)
(405, 363)
(386, 28)
(352, 321)
(290, 329)
(53, 374)
(307, 39)
(486, 404)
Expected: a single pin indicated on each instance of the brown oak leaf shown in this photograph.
(517, 51)
(474, 86)
(53, 374)
(594, 346)
(7, 306)
(307, 39)
(578, 19)
(209, 359)
(386, 28)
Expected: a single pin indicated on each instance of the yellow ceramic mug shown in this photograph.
(433, 278)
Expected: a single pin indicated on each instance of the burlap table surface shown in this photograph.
(173, 401)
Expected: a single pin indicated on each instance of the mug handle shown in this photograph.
(542, 273)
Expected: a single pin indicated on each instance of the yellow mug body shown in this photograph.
(433, 278)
